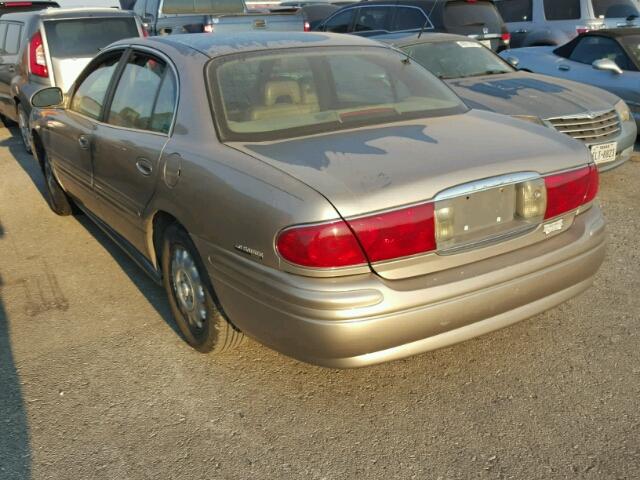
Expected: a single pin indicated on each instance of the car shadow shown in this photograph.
(15, 449)
(152, 292)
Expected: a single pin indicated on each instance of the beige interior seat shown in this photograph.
(284, 98)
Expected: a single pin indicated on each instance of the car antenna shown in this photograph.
(424, 25)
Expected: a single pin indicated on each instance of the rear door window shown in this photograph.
(373, 19)
(341, 22)
(91, 92)
(3, 33)
(410, 19)
(85, 37)
(515, 10)
(137, 94)
(614, 8)
(562, 9)
(469, 18)
(12, 40)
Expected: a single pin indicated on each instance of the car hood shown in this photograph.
(379, 167)
(522, 93)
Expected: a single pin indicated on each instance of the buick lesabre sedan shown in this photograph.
(319, 193)
(485, 81)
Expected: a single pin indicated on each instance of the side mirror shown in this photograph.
(606, 64)
(47, 97)
(513, 61)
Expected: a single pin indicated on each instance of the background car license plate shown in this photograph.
(604, 153)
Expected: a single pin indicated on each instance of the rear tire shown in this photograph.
(195, 309)
(58, 200)
(25, 132)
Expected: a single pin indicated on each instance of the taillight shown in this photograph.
(327, 245)
(374, 238)
(37, 60)
(569, 190)
(307, 27)
(145, 32)
(208, 28)
(580, 30)
(506, 37)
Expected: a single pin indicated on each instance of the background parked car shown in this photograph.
(358, 227)
(554, 22)
(609, 59)
(485, 81)
(478, 19)
(28, 6)
(168, 17)
(313, 13)
(49, 48)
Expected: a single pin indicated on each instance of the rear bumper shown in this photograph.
(363, 320)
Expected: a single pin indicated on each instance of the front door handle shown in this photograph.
(564, 68)
(144, 166)
(83, 141)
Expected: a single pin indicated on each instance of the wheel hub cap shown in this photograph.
(188, 287)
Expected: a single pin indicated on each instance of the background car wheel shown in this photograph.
(7, 121)
(191, 298)
(58, 200)
(25, 133)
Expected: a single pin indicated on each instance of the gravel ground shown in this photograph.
(96, 384)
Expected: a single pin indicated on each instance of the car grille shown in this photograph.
(595, 127)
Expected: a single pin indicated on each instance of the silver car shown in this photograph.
(554, 22)
(483, 80)
(608, 59)
(319, 193)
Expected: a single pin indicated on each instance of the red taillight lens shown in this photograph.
(145, 32)
(580, 30)
(307, 27)
(327, 245)
(506, 37)
(396, 234)
(569, 190)
(37, 60)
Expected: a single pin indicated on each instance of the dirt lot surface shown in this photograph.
(96, 384)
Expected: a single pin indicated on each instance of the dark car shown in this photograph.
(478, 19)
(313, 12)
(20, 6)
(49, 48)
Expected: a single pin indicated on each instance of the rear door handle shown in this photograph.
(144, 166)
(83, 141)
(564, 68)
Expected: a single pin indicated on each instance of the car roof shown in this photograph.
(403, 39)
(224, 44)
(614, 32)
(67, 13)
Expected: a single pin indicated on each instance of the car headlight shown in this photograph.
(530, 118)
(623, 111)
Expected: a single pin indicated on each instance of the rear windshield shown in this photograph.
(468, 18)
(16, 7)
(459, 59)
(86, 36)
(614, 8)
(203, 6)
(294, 92)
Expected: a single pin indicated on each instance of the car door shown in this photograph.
(10, 34)
(341, 22)
(372, 20)
(130, 140)
(69, 135)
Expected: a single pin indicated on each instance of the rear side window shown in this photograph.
(468, 18)
(341, 22)
(614, 8)
(562, 9)
(90, 94)
(85, 37)
(410, 19)
(371, 19)
(12, 40)
(515, 10)
(137, 94)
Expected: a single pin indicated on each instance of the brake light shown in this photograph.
(569, 190)
(580, 30)
(145, 32)
(37, 60)
(506, 37)
(18, 4)
(307, 27)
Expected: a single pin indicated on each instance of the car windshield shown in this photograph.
(265, 95)
(457, 59)
(614, 8)
(631, 44)
(86, 36)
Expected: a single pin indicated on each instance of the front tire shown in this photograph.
(23, 124)
(58, 200)
(194, 307)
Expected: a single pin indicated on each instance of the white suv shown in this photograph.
(555, 22)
